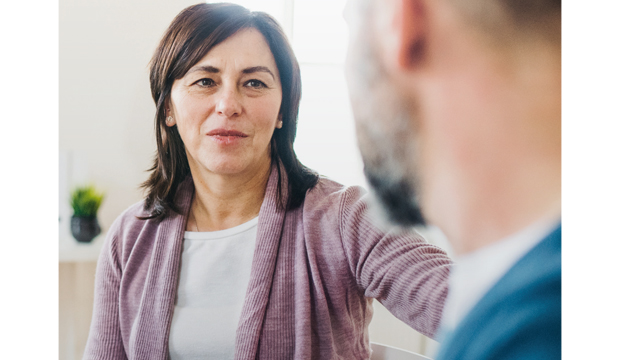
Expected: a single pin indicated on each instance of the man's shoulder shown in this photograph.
(520, 317)
(538, 269)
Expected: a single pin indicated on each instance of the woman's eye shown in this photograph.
(257, 84)
(205, 82)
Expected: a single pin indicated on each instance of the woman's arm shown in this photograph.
(104, 338)
(405, 273)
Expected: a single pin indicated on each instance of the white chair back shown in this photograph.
(384, 352)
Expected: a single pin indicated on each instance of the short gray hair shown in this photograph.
(505, 19)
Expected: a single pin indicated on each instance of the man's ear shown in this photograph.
(409, 31)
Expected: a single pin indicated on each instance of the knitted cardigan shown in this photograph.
(314, 273)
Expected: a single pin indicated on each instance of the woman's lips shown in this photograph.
(224, 132)
(226, 137)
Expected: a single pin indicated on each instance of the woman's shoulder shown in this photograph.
(131, 231)
(129, 216)
(128, 224)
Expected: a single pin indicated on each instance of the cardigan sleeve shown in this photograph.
(401, 270)
(104, 338)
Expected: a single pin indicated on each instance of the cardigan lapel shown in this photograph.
(270, 223)
(163, 273)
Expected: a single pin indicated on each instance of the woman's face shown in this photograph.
(226, 107)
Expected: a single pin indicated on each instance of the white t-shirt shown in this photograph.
(215, 271)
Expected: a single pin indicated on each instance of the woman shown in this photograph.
(238, 249)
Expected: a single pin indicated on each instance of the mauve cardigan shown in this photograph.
(314, 273)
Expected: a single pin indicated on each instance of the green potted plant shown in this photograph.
(85, 201)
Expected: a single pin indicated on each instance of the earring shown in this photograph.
(169, 120)
(279, 124)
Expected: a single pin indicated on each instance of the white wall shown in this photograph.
(106, 112)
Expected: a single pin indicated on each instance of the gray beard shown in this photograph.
(392, 184)
(397, 199)
(385, 137)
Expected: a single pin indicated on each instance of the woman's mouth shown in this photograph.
(226, 137)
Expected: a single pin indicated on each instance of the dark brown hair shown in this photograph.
(190, 36)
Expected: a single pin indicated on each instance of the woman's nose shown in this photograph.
(228, 104)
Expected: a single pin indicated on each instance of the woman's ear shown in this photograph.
(170, 120)
(279, 122)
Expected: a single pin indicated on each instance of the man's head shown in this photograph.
(457, 108)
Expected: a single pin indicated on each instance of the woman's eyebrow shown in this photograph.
(205, 68)
(254, 69)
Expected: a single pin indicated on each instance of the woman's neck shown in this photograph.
(224, 201)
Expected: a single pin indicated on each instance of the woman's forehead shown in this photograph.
(247, 48)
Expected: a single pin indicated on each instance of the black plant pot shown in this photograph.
(85, 228)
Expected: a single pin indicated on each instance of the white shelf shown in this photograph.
(70, 250)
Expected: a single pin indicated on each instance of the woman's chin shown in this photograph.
(228, 164)
(230, 167)
(226, 169)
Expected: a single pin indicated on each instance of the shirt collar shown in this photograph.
(473, 274)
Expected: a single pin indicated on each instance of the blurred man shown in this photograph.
(457, 109)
